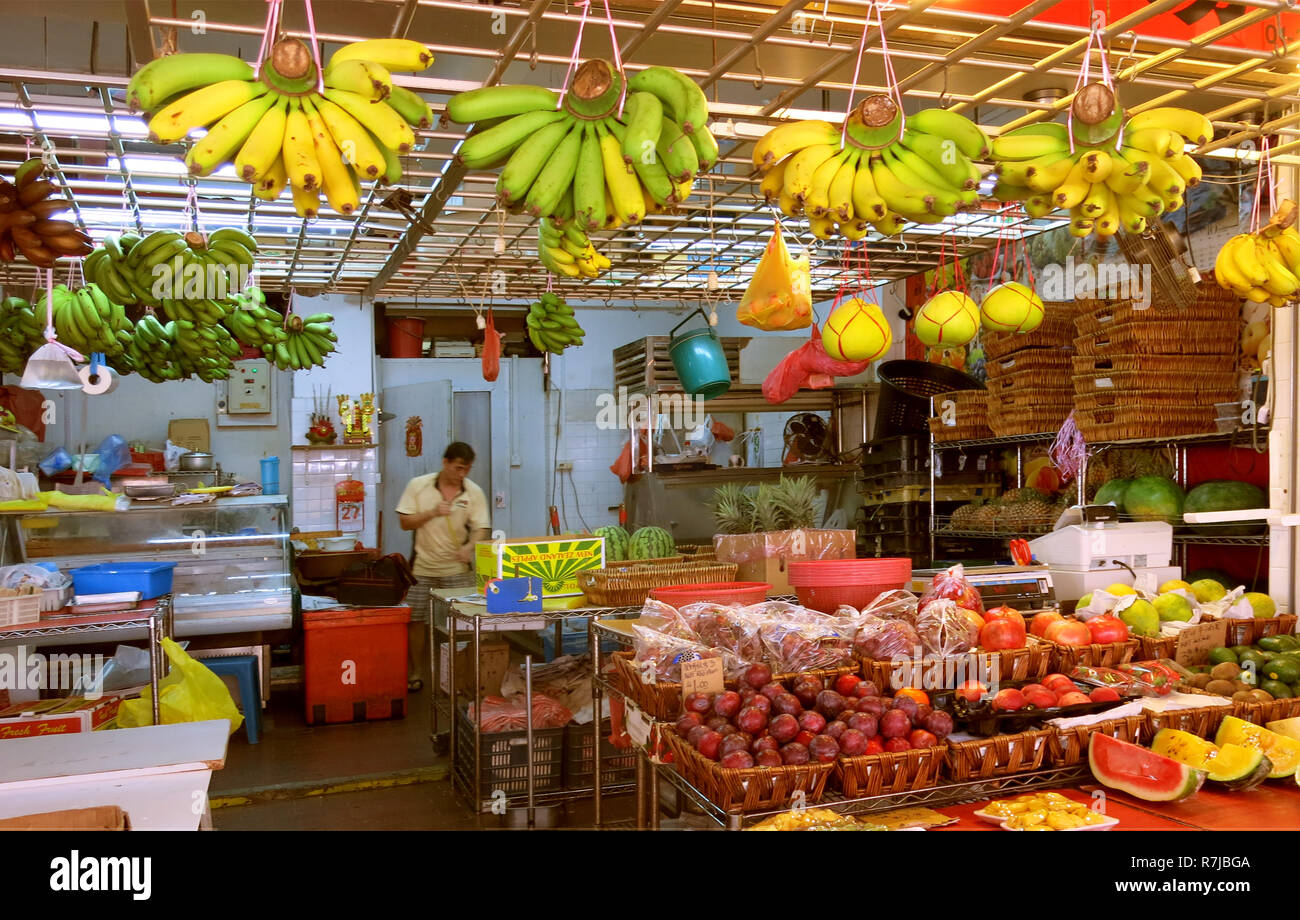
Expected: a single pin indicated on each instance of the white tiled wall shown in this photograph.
(592, 451)
(317, 472)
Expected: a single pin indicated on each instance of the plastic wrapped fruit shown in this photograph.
(886, 640)
(946, 629)
(952, 584)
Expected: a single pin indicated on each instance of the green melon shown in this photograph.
(1226, 495)
(616, 542)
(651, 543)
(1154, 498)
(1112, 491)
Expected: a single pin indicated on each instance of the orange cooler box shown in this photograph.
(354, 664)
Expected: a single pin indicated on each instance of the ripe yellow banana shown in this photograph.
(299, 153)
(803, 167)
(262, 148)
(867, 203)
(773, 182)
(354, 142)
(786, 139)
(400, 54)
(202, 107)
(272, 182)
(817, 201)
(1070, 193)
(1097, 165)
(337, 180)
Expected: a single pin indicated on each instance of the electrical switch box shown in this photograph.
(249, 390)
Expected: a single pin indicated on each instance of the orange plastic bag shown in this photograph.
(779, 295)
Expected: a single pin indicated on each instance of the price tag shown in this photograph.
(703, 675)
(1195, 642)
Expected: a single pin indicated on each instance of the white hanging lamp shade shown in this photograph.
(52, 367)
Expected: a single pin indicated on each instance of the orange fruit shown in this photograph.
(920, 696)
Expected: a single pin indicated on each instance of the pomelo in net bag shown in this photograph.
(947, 318)
(1010, 307)
(857, 331)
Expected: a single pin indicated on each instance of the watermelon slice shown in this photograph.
(1139, 772)
(1232, 765)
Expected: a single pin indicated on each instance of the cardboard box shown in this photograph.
(57, 717)
(557, 560)
(763, 556)
(190, 433)
(494, 660)
(99, 818)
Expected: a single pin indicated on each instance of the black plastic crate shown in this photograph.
(504, 764)
(888, 545)
(617, 765)
(894, 480)
(901, 517)
(907, 453)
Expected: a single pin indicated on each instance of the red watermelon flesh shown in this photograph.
(1141, 772)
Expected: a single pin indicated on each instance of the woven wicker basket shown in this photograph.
(664, 700)
(1172, 337)
(999, 755)
(1069, 746)
(1120, 422)
(1065, 658)
(1262, 713)
(1056, 331)
(753, 789)
(629, 587)
(1049, 360)
(641, 563)
(1202, 721)
(890, 773)
(1151, 648)
(1191, 384)
(971, 417)
(1248, 632)
(1016, 664)
(970, 431)
(1100, 317)
(1049, 384)
(1154, 364)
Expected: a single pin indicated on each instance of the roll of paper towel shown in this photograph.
(105, 382)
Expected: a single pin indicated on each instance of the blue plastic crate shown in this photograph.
(151, 579)
(574, 642)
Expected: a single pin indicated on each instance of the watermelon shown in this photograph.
(651, 543)
(1139, 772)
(616, 540)
(1226, 495)
(1234, 766)
(1154, 498)
(1112, 492)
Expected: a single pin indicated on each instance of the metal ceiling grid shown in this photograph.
(981, 64)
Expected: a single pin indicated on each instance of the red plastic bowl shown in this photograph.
(896, 571)
(829, 598)
(715, 592)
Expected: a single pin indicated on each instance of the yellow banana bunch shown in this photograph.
(278, 130)
(1263, 267)
(566, 250)
(880, 176)
(1119, 176)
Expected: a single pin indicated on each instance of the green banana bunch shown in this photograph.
(21, 333)
(879, 175)
(251, 321)
(149, 353)
(1118, 176)
(277, 129)
(85, 319)
(168, 264)
(551, 326)
(565, 249)
(307, 342)
(581, 155)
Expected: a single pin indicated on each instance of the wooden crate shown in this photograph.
(643, 366)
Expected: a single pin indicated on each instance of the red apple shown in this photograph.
(709, 745)
(726, 704)
(853, 743)
(758, 676)
(845, 684)
(1039, 624)
(737, 760)
(1004, 613)
(1074, 699)
(794, 753)
(1104, 695)
(895, 745)
(922, 739)
(812, 721)
(1009, 700)
(784, 727)
(751, 719)
(972, 691)
(1069, 632)
(768, 759)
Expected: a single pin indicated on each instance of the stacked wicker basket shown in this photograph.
(1028, 375)
(1155, 371)
(970, 420)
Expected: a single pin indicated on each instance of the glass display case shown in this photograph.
(232, 554)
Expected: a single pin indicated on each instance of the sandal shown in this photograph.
(414, 685)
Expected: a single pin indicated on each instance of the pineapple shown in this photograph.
(795, 501)
(733, 508)
(767, 513)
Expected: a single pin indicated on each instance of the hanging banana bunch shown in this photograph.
(278, 130)
(189, 265)
(576, 160)
(29, 219)
(551, 326)
(1118, 176)
(879, 176)
(1263, 266)
(566, 250)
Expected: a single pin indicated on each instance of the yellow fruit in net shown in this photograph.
(947, 318)
(857, 331)
(1010, 307)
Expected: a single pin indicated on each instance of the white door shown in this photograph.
(431, 404)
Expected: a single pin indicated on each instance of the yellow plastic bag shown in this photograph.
(779, 295)
(189, 693)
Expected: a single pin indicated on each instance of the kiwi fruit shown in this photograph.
(1199, 681)
(1261, 696)
(1221, 687)
(1242, 696)
(1225, 671)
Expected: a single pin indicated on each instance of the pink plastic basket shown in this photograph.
(716, 592)
(826, 584)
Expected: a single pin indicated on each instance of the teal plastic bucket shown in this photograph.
(699, 360)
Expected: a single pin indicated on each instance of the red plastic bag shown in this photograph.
(491, 350)
(722, 431)
(807, 366)
(622, 467)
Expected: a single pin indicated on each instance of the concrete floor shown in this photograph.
(381, 775)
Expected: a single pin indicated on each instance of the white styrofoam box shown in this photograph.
(1072, 584)
(1137, 543)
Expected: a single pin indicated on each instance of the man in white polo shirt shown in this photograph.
(449, 514)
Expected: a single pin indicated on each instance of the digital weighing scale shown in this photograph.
(1027, 588)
